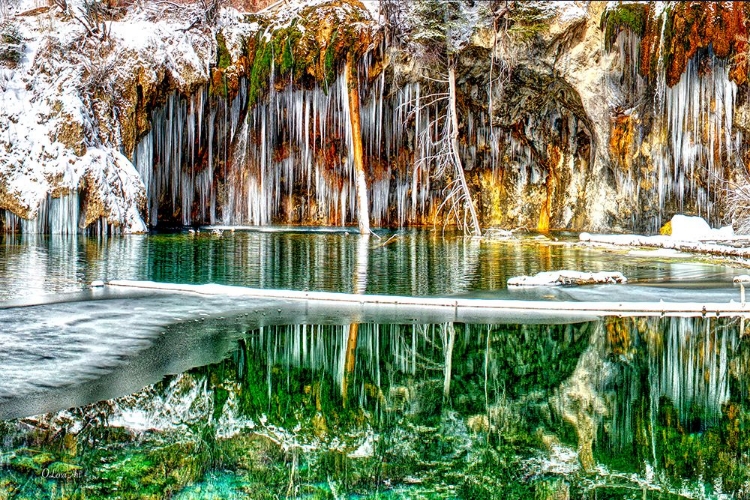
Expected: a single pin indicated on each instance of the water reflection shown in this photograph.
(416, 263)
(653, 407)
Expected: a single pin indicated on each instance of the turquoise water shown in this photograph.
(172, 395)
(416, 262)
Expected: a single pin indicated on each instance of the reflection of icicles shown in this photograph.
(693, 366)
(686, 361)
(464, 260)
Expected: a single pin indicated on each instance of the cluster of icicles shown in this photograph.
(214, 160)
(62, 215)
(283, 160)
(692, 144)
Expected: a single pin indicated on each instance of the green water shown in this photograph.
(428, 411)
(617, 408)
(412, 262)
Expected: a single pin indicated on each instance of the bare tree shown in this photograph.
(436, 41)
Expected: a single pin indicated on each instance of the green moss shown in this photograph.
(300, 53)
(261, 69)
(527, 21)
(288, 39)
(329, 61)
(624, 16)
(225, 59)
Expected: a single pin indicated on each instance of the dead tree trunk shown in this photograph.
(357, 151)
(459, 169)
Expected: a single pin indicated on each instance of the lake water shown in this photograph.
(136, 393)
(416, 263)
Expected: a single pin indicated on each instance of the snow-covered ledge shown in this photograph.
(686, 234)
(71, 106)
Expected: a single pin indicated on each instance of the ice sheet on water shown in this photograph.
(103, 343)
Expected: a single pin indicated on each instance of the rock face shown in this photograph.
(570, 115)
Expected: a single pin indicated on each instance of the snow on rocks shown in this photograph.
(72, 109)
(687, 234)
(564, 277)
(685, 227)
(681, 228)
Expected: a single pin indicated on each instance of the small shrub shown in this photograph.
(11, 43)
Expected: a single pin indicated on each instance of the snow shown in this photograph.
(689, 234)
(696, 228)
(59, 132)
(565, 277)
(570, 11)
(668, 242)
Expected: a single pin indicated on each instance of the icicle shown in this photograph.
(55, 216)
(698, 114)
(11, 222)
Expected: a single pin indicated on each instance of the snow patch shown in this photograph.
(696, 228)
(565, 277)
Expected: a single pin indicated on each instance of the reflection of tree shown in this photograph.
(359, 286)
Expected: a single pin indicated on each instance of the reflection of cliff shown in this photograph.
(277, 402)
(676, 396)
(663, 395)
